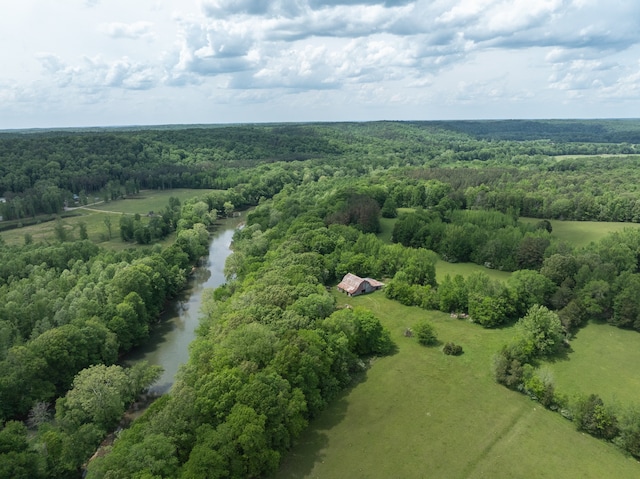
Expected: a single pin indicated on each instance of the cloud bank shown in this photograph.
(447, 53)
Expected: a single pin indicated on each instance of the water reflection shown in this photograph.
(168, 343)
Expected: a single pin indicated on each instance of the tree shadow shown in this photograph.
(308, 449)
(561, 354)
(433, 345)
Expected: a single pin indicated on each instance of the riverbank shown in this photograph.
(168, 343)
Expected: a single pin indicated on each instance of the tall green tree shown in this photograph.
(540, 329)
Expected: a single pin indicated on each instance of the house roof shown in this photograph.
(351, 283)
(375, 283)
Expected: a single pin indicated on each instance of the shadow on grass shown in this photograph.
(562, 354)
(565, 350)
(308, 449)
(432, 345)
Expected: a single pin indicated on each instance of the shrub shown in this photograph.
(592, 416)
(425, 333)
(452, 349)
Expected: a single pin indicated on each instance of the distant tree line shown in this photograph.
(41, 172)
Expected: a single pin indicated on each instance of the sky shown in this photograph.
(75, 63)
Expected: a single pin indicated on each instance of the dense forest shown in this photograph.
(272, 350)
(41, 172)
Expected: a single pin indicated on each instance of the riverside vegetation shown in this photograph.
(272, 349)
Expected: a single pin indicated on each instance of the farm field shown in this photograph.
(420, 413)
(604, 361)
(94, 215)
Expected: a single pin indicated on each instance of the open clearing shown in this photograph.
(444, 268)
(149, 200)
(581, 233)
(422, 414)
(604, 361)
(94, 215)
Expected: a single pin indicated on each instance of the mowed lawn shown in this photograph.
(605, 360)
(422, 414)
(93, 216)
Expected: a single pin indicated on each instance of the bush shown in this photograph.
(507, 367)
(425, 333)
(592, 416)
(452, 349)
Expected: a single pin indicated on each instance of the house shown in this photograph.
(354, 285)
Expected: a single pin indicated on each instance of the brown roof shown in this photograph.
(375, 283)
(351, 283)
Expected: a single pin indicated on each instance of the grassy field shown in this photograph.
(581, 233)
(465, 269)
(387, 229)
(422, 414)
(149, 200)
(93, 216)
(386, 225)
(604, 361)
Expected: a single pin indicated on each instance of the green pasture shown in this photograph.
(93, 216)
(44, 232)
(581, 233)
(604, 361)
(421, 414)
(578, 233)
(148, 200)
(444, 268)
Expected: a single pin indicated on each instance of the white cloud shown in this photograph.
(221, 8)
(95, 73)
(391, 53)
(134, 30)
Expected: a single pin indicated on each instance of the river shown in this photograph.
(168, 343)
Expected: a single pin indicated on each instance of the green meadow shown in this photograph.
(604, 361)
(421, 414)
(93, 216)
(149, 200)
(386, 225)
(444, 268)
(581, 233)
